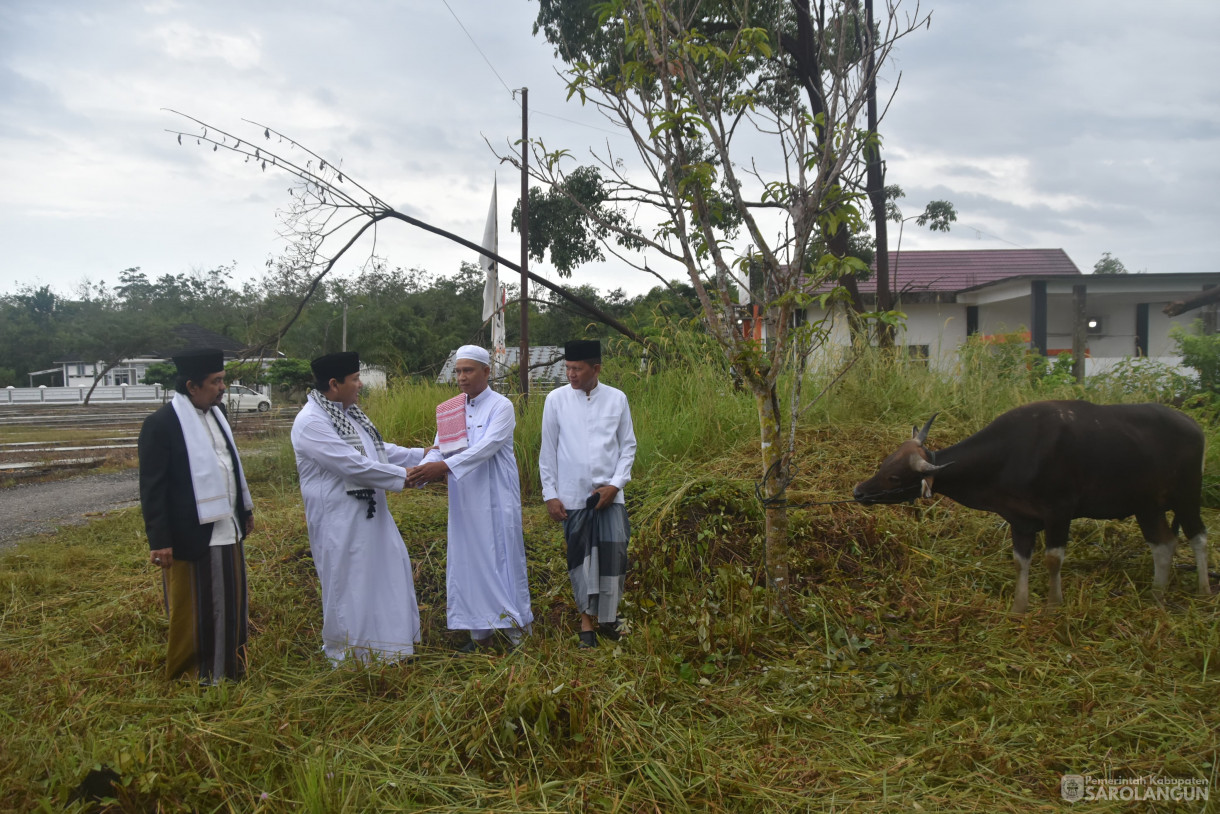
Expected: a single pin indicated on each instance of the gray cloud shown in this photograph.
(1089, 125)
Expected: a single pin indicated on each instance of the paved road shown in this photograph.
(37, 508)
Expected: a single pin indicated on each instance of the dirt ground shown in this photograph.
(106, 436)
(39, 508)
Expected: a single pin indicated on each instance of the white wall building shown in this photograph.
(948, 296)
(76, 372)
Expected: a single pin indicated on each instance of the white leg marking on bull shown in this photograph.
(1020, 602)
(1162, 559)
(1199, 544)
(1054, 560)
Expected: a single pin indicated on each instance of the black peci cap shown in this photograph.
(335, 365)
(198, 363)
(581, 350)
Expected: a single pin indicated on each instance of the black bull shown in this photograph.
(1043, 464)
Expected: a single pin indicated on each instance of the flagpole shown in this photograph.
(523, 359)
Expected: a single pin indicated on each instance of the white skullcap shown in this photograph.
(474, 353)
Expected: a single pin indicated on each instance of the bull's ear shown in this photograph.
(922, 435)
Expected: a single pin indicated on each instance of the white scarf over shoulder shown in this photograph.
(207, 475)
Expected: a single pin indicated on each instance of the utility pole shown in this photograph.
(343, 342)
(523, 358)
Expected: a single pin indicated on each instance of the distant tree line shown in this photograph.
(405, 320)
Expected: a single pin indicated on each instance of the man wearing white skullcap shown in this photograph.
(487, 587)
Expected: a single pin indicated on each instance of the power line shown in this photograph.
(537, 112)
(979, 231)
(513, 93)
(480, 50)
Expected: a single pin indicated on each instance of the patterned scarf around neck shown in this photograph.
(342, 422)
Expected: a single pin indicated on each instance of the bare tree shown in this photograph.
(329, 212)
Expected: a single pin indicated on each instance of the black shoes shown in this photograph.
(605, 630)
(472, 646)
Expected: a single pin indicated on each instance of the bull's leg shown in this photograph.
(1022, 552)
(1199, 544)
(1056, 549)
(1162, 541)
(1186, 514)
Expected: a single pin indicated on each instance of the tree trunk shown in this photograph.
(876, 194)
(580, 302)
(97, 378)
(838, 246)
(1208, 296)
(775, 480)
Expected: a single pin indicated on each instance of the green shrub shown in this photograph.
(1200, 351)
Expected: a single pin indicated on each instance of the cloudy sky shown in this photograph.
(1087, 125)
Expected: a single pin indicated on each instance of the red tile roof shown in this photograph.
(959, 270)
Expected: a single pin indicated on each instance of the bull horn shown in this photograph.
(924, 466)
(922, 435)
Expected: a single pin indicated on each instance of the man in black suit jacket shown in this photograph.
(197, 511)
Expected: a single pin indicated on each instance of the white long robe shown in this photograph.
(487, 585)
(587, 441)
(368, 593)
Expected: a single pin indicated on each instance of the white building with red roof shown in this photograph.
(947, 296)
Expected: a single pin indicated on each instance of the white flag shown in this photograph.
(491, 288)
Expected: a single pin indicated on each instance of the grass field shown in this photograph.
(899, 683)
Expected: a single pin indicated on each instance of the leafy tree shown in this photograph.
(556, 218)
(31, 325)
(111, 334)
(937, 216)
(247, 371)
(162, 373)
(290, 375)
(697, 86)
(1108, 264)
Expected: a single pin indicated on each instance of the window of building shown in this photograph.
(917, 353)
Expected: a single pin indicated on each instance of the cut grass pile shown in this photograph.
(899, 682)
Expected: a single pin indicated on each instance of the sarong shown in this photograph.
(207, 606)
(597, 558)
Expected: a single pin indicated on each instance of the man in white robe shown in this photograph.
(487, 587)
(588, 448)
(368, 593)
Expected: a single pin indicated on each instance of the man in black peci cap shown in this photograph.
(197, 511)
(588, 447)
(345, 467)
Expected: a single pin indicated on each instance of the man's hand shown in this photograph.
(607, 493)
(162, 557)
(427, 473)
(249, 523)
(554, 507)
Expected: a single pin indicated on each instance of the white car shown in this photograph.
(240, 398)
